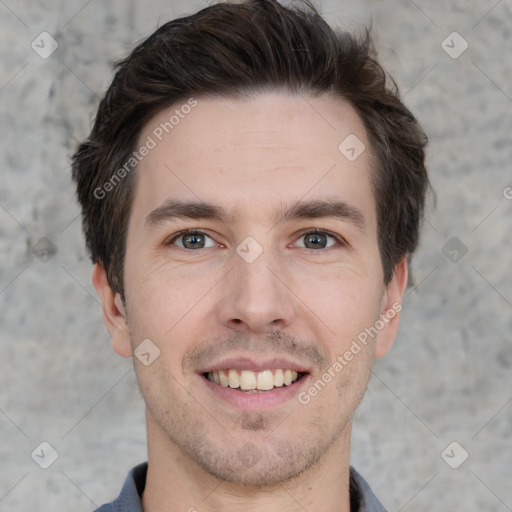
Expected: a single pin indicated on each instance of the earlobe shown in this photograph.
(114, 313)
(391, 307)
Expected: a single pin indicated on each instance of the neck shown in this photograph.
(175, 483)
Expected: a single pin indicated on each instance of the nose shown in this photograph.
(256, 297)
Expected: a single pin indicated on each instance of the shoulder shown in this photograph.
(131, 492)
(367, 501)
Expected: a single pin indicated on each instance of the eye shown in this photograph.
(318, 239)
(191, 239)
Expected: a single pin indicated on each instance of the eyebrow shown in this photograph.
(173, 209)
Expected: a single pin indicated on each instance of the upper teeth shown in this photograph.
(247, 379)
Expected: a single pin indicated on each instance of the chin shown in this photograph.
(258, 467)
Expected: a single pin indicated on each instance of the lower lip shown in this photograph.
(256, 401)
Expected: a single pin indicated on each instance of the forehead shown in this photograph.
(252, 155)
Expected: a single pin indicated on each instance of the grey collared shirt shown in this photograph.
(361, 496)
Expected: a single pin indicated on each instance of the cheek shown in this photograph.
(164, 397)
(345, 305)
(162, 303)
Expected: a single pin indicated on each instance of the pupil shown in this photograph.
(314, 241)
(193, 241)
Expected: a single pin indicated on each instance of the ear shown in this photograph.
(114, 314)
(390, 308)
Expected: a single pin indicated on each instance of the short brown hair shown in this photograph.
(233, 50)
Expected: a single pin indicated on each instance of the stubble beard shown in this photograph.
(265, 457)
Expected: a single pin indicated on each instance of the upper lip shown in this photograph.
(246, 363)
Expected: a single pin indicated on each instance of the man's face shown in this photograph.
(254, 297)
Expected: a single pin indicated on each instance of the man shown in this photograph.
(251, 191)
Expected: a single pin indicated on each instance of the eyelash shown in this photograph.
(314, 231)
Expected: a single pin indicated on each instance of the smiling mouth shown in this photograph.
(253, 382)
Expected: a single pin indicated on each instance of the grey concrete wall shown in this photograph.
(447, 379)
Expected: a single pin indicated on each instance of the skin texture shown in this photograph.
(255, 158)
